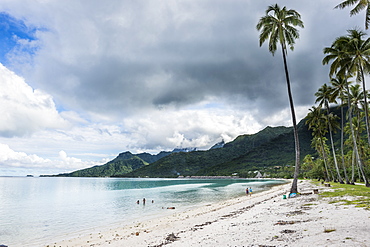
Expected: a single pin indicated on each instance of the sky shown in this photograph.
(82, 81)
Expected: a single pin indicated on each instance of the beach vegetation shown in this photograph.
(358, 195)
(279, 26)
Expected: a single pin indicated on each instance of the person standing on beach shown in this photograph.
(250, 191)
(247, 191)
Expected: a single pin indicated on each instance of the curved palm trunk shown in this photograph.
(359, 162)
(332, 146)
(353, 166)
(342, 142)
(366, 105)
(325, 160)
(294, 188)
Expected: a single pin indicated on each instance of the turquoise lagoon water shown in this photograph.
(41, 210)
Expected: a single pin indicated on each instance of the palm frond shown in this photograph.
(346, 4)
(359, 7)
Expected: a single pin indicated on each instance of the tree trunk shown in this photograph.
(342, 142)
(353, 166)
(359, 162)
(294, 188)
(325, 160)
(332, 145)
(366, 106)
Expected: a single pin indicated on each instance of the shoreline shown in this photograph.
(263, 219)
(85, 237)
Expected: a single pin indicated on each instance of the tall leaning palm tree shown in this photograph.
(359, 6)
(279, 26)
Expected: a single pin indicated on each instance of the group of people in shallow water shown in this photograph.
(248, 191)
(144, 200)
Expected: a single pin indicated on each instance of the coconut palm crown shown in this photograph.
(278, 25)
(359, 6)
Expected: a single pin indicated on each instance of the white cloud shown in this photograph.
(10, 159)
(24, 110)
(199, 128)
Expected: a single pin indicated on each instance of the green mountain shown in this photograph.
(275, 154)
(272, 146)
(122, 164)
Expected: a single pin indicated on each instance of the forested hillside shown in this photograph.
(273, 146)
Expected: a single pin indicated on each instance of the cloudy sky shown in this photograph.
(82, 81)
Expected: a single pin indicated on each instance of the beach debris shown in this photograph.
(172, 237)
(287, 231)
(293, 213)
(328, 230)
(290, 222)
(305, 193)
(137, 233)
(284, 222)
(197, 227)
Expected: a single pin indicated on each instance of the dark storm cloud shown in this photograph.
(137, 56)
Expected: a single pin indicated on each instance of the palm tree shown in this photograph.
(339, 86)
(317, 122)
(358, 60)
(341, 65)
(279, 26)
(356, 97)
(360, 5)
(324, 97)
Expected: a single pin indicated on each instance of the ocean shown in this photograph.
(40, 210)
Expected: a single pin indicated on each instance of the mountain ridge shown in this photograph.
(238, 156)
(185, 162)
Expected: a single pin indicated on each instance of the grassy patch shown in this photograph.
(328, 230)
(360, 193)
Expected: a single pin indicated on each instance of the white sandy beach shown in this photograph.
(263, 219)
